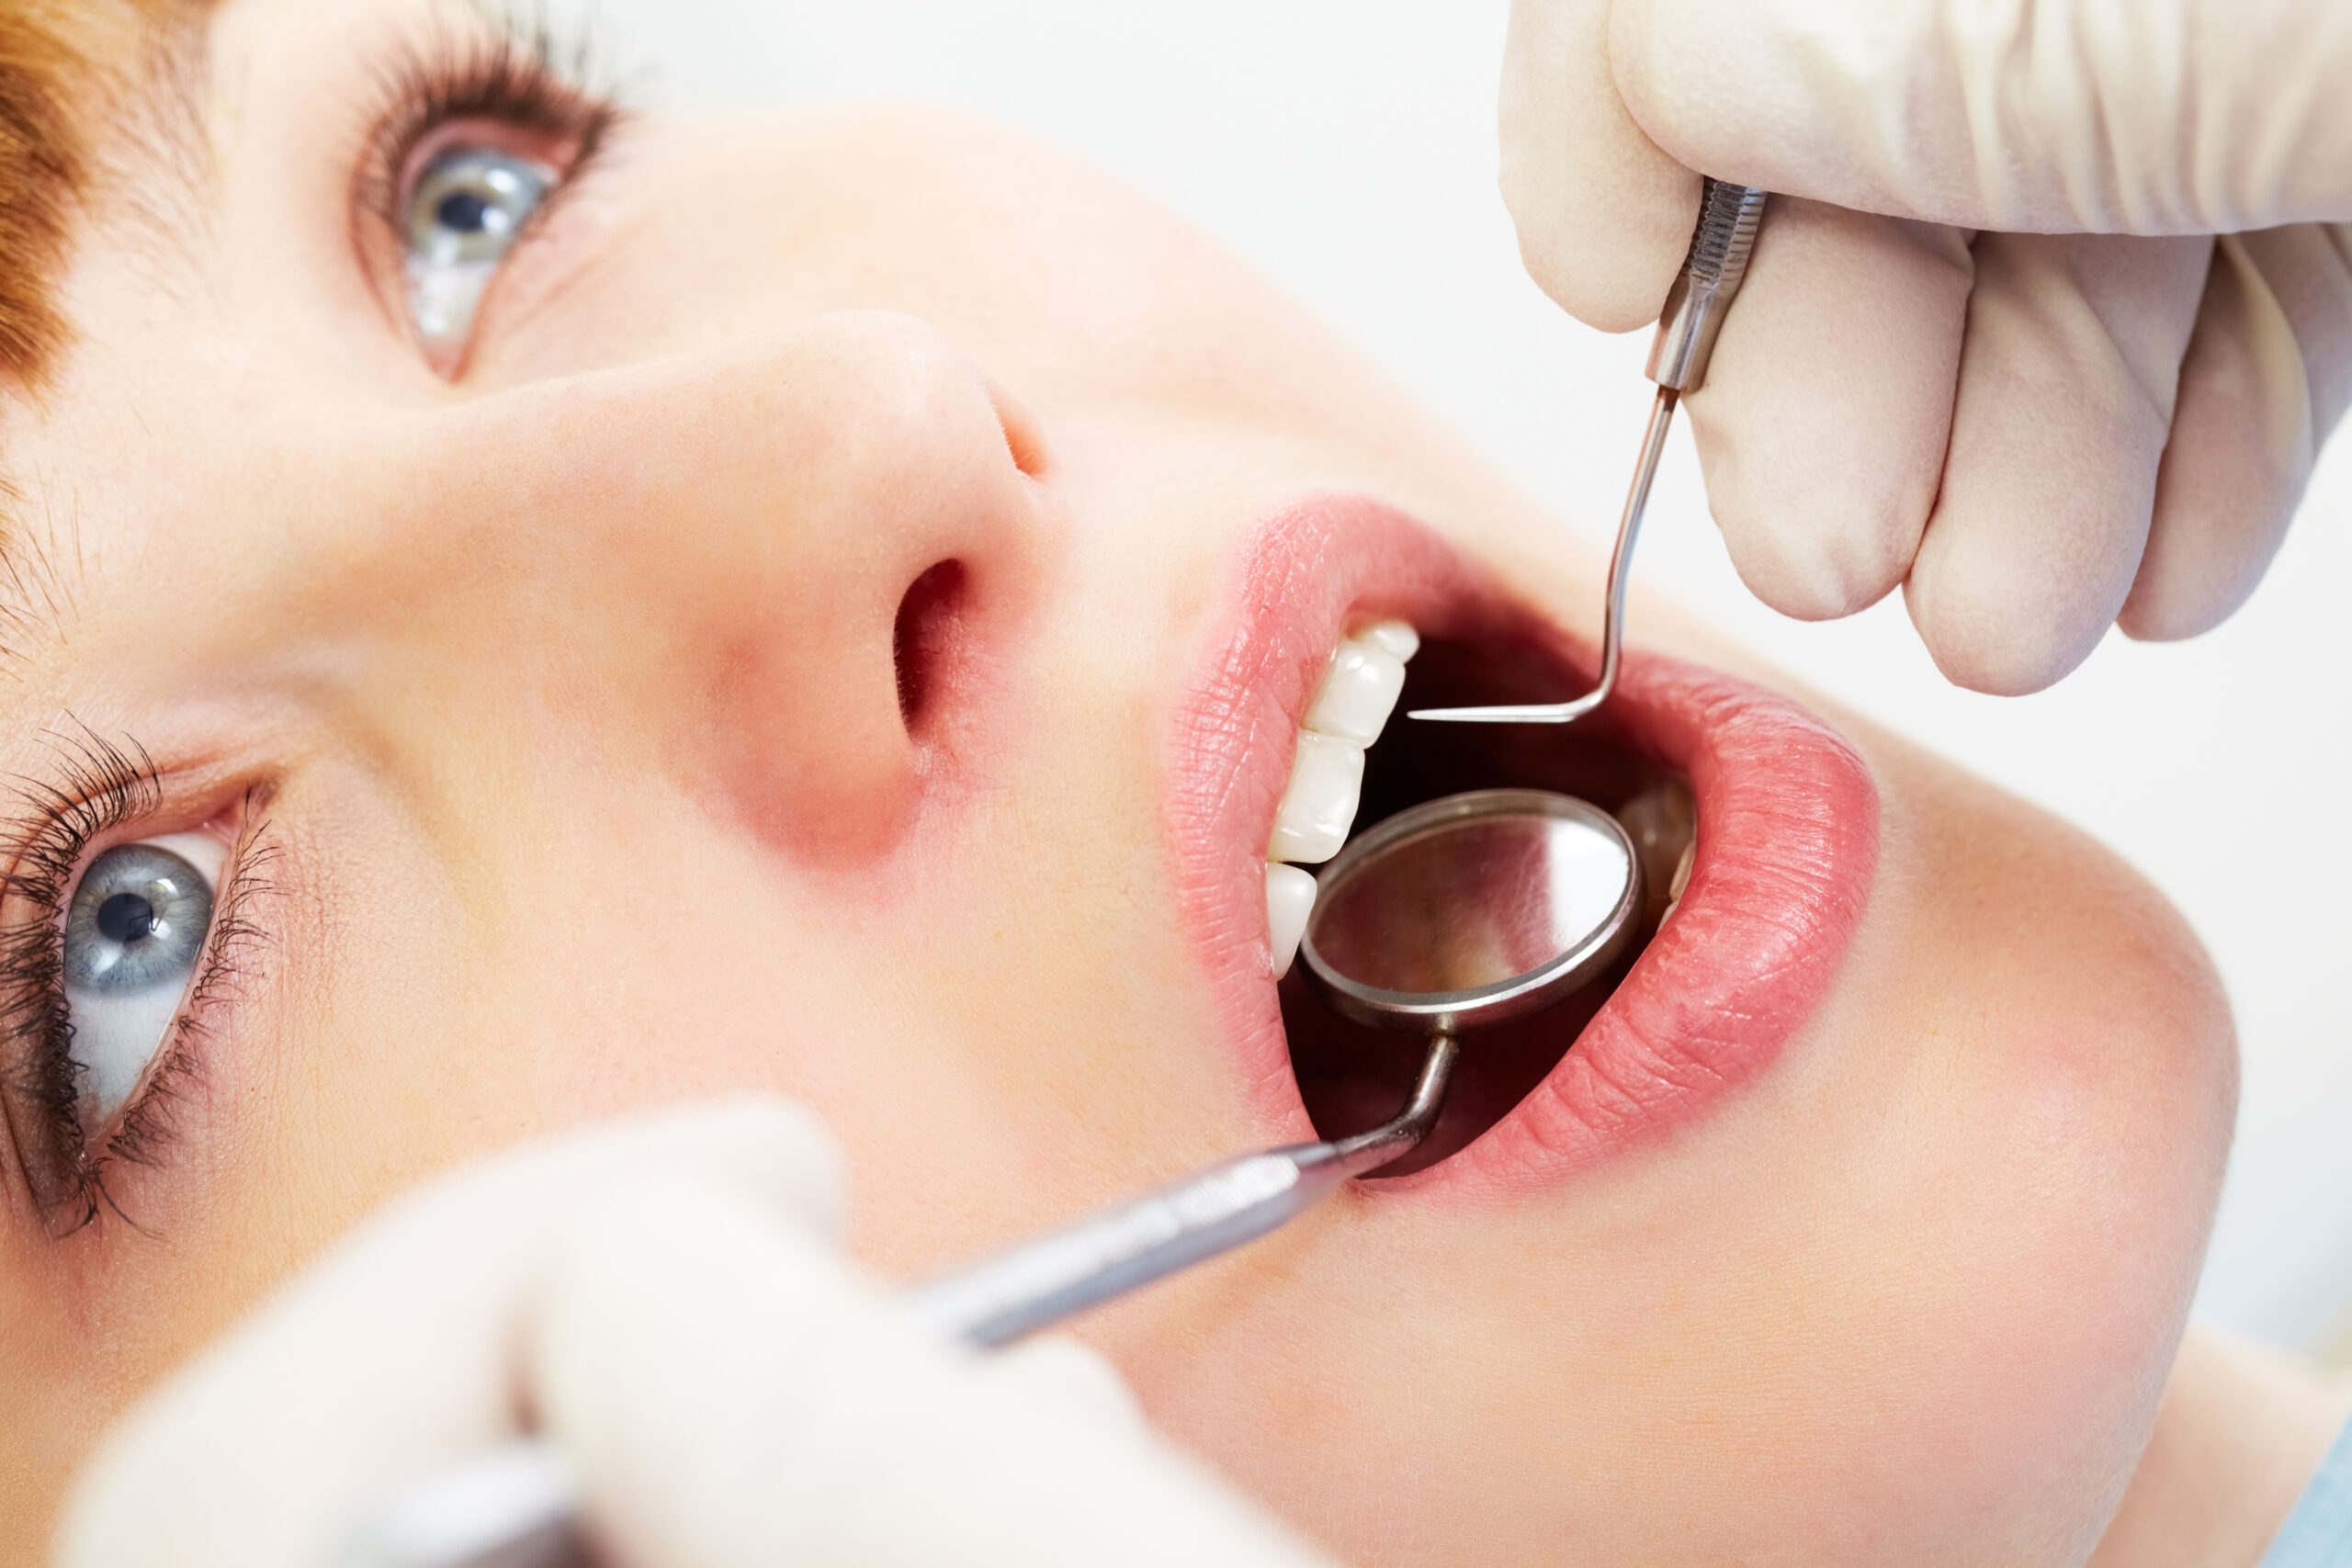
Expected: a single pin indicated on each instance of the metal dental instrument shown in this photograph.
(1729, 216)
(1453, 916)
(1038, 1283)
(1472, 911)
(514, 1505)
(1467, 911)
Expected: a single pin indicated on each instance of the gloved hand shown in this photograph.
(2092, 409)
(663, 1297)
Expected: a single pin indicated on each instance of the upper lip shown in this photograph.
(1788, 841)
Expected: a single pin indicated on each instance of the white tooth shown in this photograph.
(1681, 881)
(1359, 693)
(1320, 805)
(1392, 637)
(1290, 898)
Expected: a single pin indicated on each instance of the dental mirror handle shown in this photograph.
(1200, 1216)
(512, 1505)
(1729, 217)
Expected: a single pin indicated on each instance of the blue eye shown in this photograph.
(134, 931)
(467, 208)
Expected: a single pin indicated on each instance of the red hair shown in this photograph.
(63, 65)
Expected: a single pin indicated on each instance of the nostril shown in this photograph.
(925, 637)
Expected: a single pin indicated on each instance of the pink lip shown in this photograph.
(1788, 842)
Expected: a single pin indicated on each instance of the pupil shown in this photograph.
(463, 211)
(126, 918)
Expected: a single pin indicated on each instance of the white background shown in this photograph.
(1346, 147)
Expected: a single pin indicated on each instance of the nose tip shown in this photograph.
(910, 521)
(782, 562)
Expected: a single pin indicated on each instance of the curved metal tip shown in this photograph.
(1613, 623)
(1534, 713)
(1400, 1135)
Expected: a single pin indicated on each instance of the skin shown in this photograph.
(564, 689)
(2239, 1435)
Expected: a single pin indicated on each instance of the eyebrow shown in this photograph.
(136, 64)
(137, 68)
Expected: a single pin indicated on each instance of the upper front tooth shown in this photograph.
(1360, 691)
(1290, 898)
(1392, 637)
(1320, 804)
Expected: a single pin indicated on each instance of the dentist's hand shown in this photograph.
(2091, 410)
(663, 1299)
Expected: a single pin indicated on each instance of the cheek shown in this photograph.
(1911, 1297)
(2023, 1094)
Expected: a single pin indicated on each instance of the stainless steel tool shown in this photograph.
(1729, 217)
(514, 1505)
(1472, 911)
(1460, 913)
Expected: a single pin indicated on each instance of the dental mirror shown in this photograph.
(1471, 910)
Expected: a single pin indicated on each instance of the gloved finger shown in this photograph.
(395, 1352)
(1604, 218)
(2187, 117)
(2234, 469)
(2309, 268)
(2268, 374)
(2067, 383)
(731, 1396)
(1826, 412)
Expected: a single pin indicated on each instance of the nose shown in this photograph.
(779, 565)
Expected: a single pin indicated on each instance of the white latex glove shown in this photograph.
(664, 1298)
(2091, 411)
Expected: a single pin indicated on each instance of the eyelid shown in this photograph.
(561, 155)
(224, 829)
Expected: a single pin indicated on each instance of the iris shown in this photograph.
(137, 921)
(135, 932)
(465, 213)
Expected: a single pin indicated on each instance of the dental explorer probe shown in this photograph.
(1729, 216)
(514, 1505)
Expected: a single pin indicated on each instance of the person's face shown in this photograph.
(840, 627)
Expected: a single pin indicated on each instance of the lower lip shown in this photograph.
(1788, 842)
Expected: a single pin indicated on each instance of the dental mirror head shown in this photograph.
(1472, 911)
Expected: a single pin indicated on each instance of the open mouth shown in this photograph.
(1350, 1076)
(1759, 816)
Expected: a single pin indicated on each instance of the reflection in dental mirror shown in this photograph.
(469, 208)
(134, 932)
(1473, 909)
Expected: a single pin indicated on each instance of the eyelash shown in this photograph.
(102, 787)
(530, 81)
